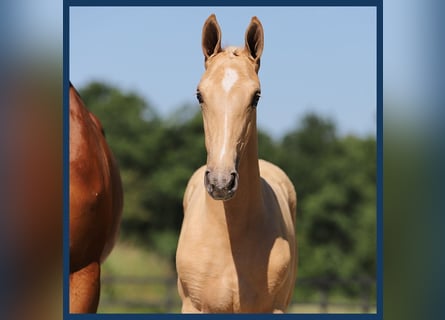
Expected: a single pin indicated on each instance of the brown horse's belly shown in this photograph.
(87, 239)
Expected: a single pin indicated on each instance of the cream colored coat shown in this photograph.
(237, 249)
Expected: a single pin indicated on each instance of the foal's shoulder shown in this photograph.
(274, 175)
(195, 182)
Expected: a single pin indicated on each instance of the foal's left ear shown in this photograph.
(254, 41)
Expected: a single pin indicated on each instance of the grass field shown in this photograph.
(332, 308)
(135, 280)
(123, 291)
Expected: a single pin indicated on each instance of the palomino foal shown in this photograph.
(237, 248)
(96, 201)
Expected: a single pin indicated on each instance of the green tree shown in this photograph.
(335, 179)
(156, 159)
(305, 150)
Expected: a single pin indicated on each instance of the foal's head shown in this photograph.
(228, 93)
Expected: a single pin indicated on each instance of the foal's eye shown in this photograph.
(255, 98)
(199, 97)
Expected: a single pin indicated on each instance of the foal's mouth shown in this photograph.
(222, 194)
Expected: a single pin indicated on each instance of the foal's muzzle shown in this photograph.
(221, 186)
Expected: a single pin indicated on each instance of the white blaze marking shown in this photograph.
(230, 77)
(225, 132)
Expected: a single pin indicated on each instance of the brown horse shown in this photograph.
(237, 249)
(96, 201)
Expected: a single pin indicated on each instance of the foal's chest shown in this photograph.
(220, 278)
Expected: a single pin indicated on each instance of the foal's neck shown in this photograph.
(248, 198)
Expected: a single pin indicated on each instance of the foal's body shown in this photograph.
(236, 252)
(239, 255)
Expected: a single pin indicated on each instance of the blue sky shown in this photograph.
(320, 59)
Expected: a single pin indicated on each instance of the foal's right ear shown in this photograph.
(211, 37)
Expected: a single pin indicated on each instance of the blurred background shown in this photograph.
(335, 177)
(31, 185)
(317, 120)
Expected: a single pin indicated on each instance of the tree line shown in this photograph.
(334, 176)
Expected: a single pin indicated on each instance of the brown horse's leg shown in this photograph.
(85, 289)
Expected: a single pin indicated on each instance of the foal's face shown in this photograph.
(228, 93)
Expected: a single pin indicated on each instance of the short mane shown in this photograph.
(235, 51)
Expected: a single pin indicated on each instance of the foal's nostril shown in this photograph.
(210, 187)
(233, 183)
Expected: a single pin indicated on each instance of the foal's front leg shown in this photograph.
(187, 307)
(187, 304)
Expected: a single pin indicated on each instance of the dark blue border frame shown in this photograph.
(226, 3)
(378, 4)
